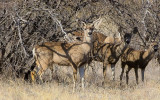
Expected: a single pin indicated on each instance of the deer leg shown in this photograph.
(113, 71)
(136, 74)
(127, 72)
(93, 70)
(142, 72)
(40, 69)
(52, 70)
(121, 76)
(74, 78)
(40, 73)
(104, 72)
(81, 72)
(86, 66)
(33, 75)
(51, 76)
(36, 73)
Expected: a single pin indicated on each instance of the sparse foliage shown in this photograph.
(24, 23)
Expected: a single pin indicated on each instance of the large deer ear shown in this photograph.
(135, 30)
(120, 30)
(152, 40)
(83, 25)
(97, 23)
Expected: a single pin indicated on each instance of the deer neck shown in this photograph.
(121, 48)
(87, 38)
(87, 43)
(148, 54)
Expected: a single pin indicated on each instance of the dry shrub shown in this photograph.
(26, 23)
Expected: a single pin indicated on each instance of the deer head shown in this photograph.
(154, 45)
(89, 28)
(127, 38)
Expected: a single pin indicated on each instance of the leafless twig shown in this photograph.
(17, 22)
(57, 21)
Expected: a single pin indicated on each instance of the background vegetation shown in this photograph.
(24, 23)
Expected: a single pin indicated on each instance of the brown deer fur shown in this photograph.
(65, 54)
(99, 40)
(108, 50)
(109, 54)
(97, 36)
(137, 59)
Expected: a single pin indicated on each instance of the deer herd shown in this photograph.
(93, 47)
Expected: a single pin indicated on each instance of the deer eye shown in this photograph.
(91, 29)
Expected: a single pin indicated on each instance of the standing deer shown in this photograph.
(99, 40)
(109, 54)
(109, 49)
(137, 59)
(65, 54)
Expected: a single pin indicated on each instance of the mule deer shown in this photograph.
(109, 54)
(99, 40)
(109, 49)
(65, 54)
(137, 59)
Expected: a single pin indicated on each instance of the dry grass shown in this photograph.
(19, 90)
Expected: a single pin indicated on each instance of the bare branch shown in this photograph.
(17, 22)
(57, 21)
